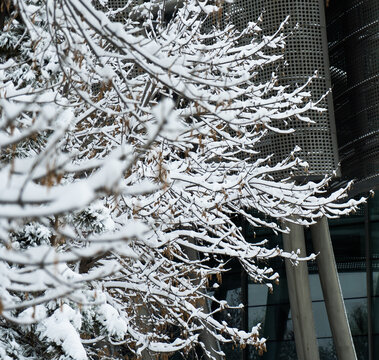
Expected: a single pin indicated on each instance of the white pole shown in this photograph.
(300, 296)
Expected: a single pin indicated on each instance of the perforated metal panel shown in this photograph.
(305, 52)
(118, 6)
(353, 34)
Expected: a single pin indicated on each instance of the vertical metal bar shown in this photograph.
(368, 252)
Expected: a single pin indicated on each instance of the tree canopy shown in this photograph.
(128, 141)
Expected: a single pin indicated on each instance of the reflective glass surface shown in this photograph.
(356, 310)
(277, 350)
(376, 346)
(275, 320)
(374, 237)
(315, 286)
(321, 320)
(376, 316)
(374, 234)
(353, 284)
(272, 310)
(257, 294)
(232, 316)
(361, 347)
(374, 208)
(327, 349)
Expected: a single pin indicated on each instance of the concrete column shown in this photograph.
(331, 289)
(300, 296)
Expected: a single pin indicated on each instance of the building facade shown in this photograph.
(344, 36)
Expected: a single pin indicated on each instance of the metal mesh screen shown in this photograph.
(353, 34)
(119, 7)
(305, 52)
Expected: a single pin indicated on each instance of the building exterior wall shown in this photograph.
(304, 54)
(353, 47)
(352, 237)
(353, 39)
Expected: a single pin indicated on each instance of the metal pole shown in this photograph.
(300, 296)
(331, 289)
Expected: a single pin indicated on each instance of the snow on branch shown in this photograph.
(128, 160)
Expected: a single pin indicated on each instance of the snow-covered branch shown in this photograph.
(127, 144)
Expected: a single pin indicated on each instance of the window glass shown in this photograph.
(315, 286)
(375, 277)
(321, 319)
(233, 296)
(327, 349)
(361, 347)
(277, 350)
(353, 284)
(374, 227)
(375, 320)
(348, 242)
(233, 316)
(232, 352)
(357, 314)
(373, 204)
(376, 347)
(256, 314)
(374, 234)
(257, 294)
(276, 323)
